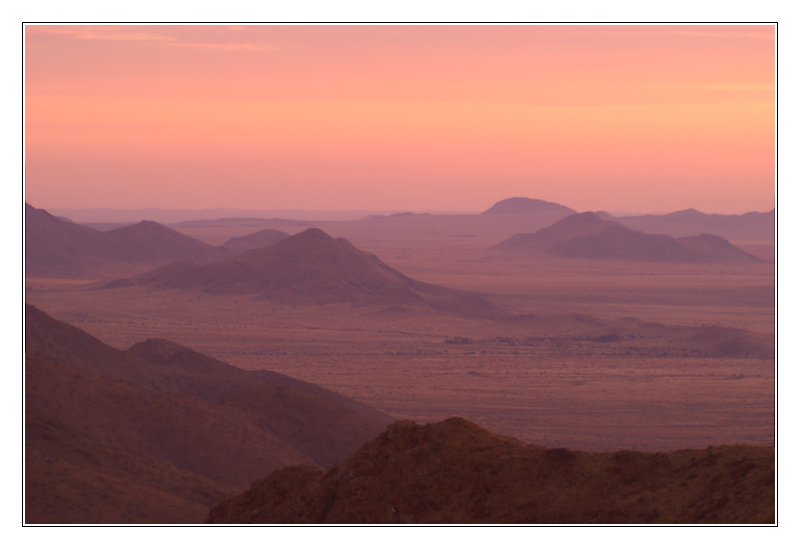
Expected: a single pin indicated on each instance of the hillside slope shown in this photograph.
(456, 472)
(174, 426)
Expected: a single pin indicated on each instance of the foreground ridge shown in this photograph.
(457, 472)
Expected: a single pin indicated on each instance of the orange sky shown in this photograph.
(617, 118)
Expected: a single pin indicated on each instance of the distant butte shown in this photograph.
(520, 205)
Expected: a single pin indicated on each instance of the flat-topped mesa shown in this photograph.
(520, 205)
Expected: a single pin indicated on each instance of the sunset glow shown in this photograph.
(617, 118)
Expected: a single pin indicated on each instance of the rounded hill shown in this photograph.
(521, 205)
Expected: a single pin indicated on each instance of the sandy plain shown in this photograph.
(552, 377)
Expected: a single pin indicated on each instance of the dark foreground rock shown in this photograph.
(456, 472)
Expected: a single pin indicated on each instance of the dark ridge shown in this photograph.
(458, 473)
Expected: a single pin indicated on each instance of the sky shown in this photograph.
(643, 118)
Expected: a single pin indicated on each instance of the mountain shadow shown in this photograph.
(587, 235)
(456, 472)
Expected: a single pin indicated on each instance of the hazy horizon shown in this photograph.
(652, 118)
(177, 215)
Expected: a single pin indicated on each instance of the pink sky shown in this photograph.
(617, 118)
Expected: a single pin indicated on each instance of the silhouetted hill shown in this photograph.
(140, 417)
(55, 246)
(259, 239)
(456, 472)
(312, 268)
(520, 205)
(587, 235)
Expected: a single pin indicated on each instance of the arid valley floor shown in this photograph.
(581, 353)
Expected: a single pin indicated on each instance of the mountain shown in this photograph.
(456, 472)
(55, 245)
(58, 246)
(259, 239)
(173, 429)
(587, 235)
(312, 268)
(521, 205)
(709, 248)
(72, 477)
(748, 226)
(148, 241)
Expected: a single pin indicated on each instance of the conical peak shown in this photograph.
(312, 235)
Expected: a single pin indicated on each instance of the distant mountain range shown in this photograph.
(748, 226)
(58, 247)
(458, 473)
(587, 235)
(179, 215)
(159, 432)
(511, 216)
